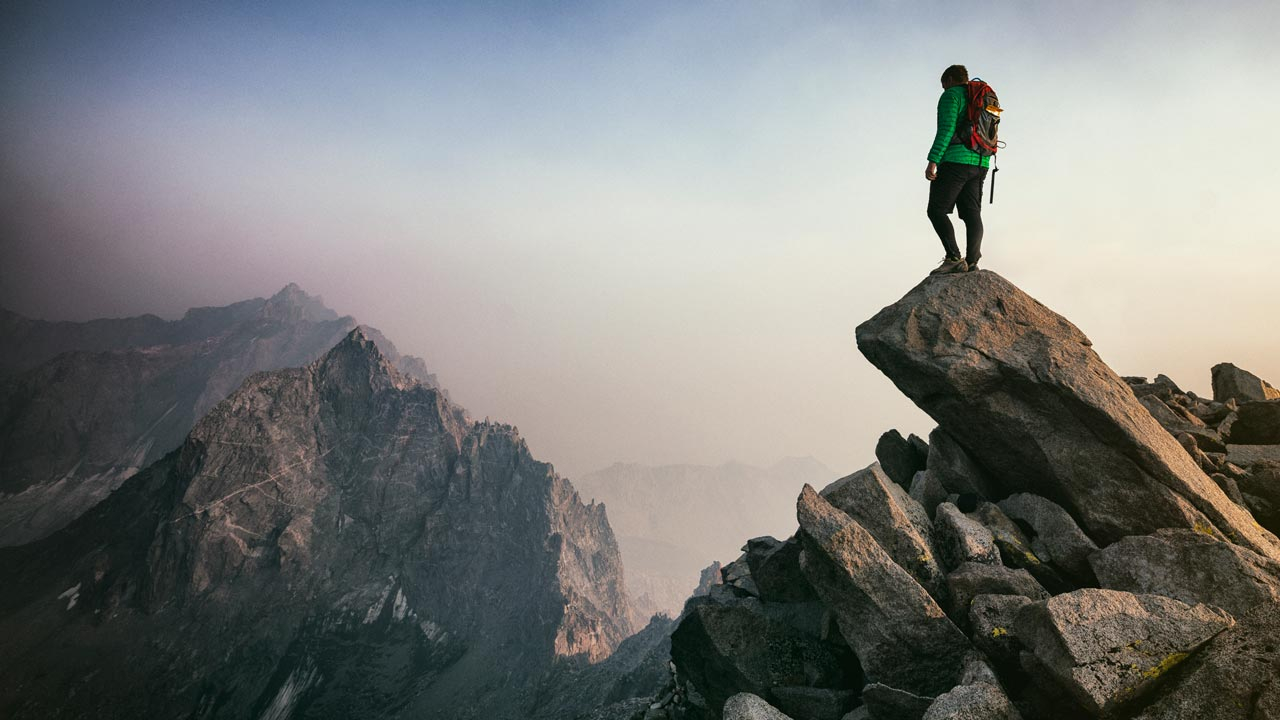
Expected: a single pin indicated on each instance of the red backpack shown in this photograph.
(979, 129)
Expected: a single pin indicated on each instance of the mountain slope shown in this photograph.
(332, 540)
(88, 404)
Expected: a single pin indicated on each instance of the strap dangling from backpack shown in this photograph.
(994, 169)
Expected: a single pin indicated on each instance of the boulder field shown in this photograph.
(1068, 543)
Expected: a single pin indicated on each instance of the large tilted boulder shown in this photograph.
(1236, 676)
(1020, 388)
(885, 510)
(901, 636)
(1232, 383)
(1108, 648)
(1191, 567)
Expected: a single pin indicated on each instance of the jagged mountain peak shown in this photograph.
(361, 538)
(125, 392)
(293, 303)
(358, 361)
(361, 340)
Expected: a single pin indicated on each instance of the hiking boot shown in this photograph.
(972, 267)
(950, 265)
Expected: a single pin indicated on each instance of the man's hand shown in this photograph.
(931, 171)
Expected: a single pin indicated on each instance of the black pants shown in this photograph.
(958, 186)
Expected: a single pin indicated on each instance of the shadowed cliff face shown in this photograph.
(84, 405)
(336, 538)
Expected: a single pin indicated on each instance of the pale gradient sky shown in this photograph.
(645, 232)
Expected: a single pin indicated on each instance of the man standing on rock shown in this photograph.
(956, 174)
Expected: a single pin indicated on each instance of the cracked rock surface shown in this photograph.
(1108, 648)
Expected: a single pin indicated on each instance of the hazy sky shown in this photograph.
(645, 231)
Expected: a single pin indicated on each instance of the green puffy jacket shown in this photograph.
(950, 111)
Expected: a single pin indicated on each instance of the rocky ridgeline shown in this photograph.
(1234, 438)
(1067, 544)
(335, 540)
(84, 406)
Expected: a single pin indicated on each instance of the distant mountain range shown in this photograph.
(674, 520)
(333, 540)
(85, 405)
(264, 510)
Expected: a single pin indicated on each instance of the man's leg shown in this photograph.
(943, 192)
(969, 207)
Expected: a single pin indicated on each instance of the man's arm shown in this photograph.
(948, 114)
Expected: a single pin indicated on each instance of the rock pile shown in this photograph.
(1234, 437)
(1067, 544)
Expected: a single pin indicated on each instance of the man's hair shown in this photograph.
(955, 74)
